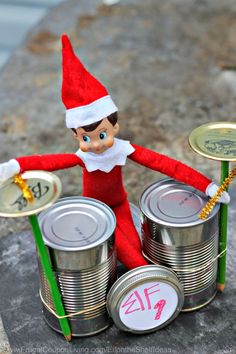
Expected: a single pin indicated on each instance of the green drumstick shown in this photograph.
(217, 141)
(10, 206)
(44, 258)
(223, 233)
(50, 276)
(43, 255)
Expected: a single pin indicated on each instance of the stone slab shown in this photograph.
(208, 330)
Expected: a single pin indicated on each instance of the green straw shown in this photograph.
(223, 233)
(46, 265)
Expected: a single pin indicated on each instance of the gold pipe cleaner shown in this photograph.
(28, 195)
(212, 202)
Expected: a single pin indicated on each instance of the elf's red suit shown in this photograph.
(108, 188)
(87, 102)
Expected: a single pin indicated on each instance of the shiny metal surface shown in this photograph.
(77, 224)
(79, 233)
(130, 281)
(190, 248)
(45, 187)
(84, 262)
(136, 215)
(215, 140)
(173, 204)
(79, 291)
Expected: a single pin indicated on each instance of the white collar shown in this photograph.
(106, 161)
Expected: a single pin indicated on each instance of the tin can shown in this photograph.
(175, 236)
(136, 216)
(79, 235)
(145, 299)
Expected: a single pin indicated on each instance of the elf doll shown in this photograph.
(92, 115)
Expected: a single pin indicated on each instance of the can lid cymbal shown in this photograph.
(45, 187)
(215, 140)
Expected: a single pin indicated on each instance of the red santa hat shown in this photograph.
(86, 99)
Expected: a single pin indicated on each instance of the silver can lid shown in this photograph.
(76, 224)
(145, 299)
(172, 203)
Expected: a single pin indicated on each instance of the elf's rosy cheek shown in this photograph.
(109, 142)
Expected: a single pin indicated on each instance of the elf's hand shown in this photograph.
(211, 191)
(8, 170)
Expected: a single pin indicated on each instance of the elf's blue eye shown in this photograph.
(103, 135)
(86, 138)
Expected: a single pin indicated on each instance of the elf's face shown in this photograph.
(98, 140)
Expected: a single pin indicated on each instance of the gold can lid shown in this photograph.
(45, 188)
(215, 140)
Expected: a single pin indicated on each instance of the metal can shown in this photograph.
(145, 299)
(79, 235)
(175, 236)
(136, 216)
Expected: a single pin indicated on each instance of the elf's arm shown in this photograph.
(38, 162)
(176, 170)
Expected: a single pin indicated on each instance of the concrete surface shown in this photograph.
(209, 330)
(161, 61)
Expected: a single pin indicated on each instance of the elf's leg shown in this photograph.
(126, 252)
(126, 225)
(127, 239)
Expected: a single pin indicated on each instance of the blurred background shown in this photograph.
(169, 66)
(17, 18)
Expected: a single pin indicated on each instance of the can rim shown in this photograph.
(136, 277)
(201, 131)
(155, 219)
(86, 200)
(45, 176)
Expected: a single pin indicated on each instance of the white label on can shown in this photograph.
(148, 305)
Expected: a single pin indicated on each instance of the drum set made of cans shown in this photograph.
(79, 289)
